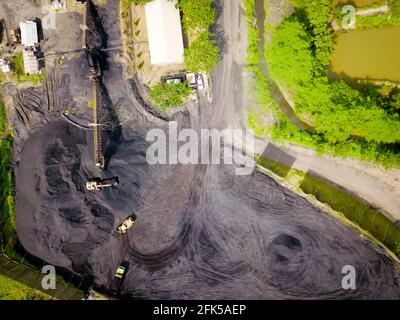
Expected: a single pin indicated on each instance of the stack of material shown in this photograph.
(31, 64)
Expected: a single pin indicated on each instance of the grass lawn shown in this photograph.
(19, 71)
(368, 219)
(13, 290)
(276, 167)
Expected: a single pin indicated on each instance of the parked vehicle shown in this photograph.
(119, 278)
(200, 82)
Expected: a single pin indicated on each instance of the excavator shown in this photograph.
(98, 184)
(124, 227)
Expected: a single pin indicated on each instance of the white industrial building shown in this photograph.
(29, 33)
(164, 31)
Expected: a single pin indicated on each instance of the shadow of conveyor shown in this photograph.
(114, 129)
(96, 37)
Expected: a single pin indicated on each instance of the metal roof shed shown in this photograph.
(164, 32)
(29, 33)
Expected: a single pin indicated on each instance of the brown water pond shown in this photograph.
(368, 54)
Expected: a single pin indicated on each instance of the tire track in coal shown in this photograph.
(293, 260)
(207, 255)
(188, 228)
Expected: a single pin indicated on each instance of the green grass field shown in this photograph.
(19, 72)
(276, 167)
(13, 290)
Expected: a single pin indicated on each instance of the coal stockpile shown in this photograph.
(201, 231)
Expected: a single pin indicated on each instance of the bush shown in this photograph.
(166, 96)
(140, 2)
(385, 155)
(203, 54)
(289, 56)
(318, 18)
(197, 14)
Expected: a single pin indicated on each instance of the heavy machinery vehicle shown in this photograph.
(126, 225)
(94, 72)
(98, 184)
(118, 278)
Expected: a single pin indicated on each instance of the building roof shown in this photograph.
(31, 64)
(29, 34)
(164, 32)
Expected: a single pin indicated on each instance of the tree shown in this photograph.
(197, 14)
(394, 7)
(395, 101)
(289, 55)
(335, 110)
(319, 15)
(203, 54)
(169, 95)
(140, 2)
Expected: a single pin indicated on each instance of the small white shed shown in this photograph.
(29, 33)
